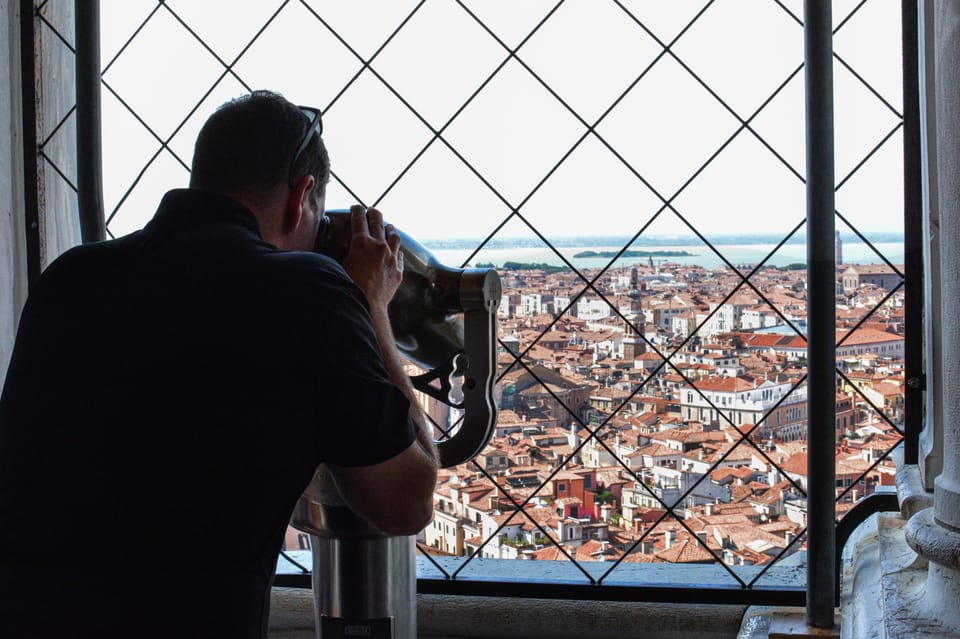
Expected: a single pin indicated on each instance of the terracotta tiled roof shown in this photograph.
(887, 389)
(796, 464)
(685, 552)
(655, 450)
(550, 552)
(724, 384)
(866, 336)
(638, 557)
(593, 549)
(743, 535)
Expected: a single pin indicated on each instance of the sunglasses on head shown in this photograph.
(315, 128)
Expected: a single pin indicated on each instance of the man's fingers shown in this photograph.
(393, 241)
(358, 219)
(393, 238)
(375, 222)
(369, 223)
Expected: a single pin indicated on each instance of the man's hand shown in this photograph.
(374, 261)
(375, 264)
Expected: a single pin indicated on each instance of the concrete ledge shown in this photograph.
(291, 614)
(453, 617)
(793, 625)
(757, 621)
(769, 622)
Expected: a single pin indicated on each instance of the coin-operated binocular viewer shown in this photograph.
(444, 320)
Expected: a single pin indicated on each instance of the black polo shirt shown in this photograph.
(169, 397)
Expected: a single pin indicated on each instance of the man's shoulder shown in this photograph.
(90, 261)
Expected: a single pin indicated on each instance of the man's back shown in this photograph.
(169, 387)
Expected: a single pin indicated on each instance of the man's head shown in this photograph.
(248, 150)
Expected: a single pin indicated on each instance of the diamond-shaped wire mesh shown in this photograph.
(652, 390)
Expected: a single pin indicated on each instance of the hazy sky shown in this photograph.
(513, 132)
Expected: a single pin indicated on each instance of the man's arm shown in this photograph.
(395, 495)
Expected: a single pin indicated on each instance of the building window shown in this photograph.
(492, 199)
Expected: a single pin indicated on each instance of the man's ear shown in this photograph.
(297, 203)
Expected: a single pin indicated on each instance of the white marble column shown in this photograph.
(935, 532)
(931, 438)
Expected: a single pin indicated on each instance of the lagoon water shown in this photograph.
(736, 254)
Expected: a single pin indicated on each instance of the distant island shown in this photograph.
(630, 253)
(554, 268)
(524, 266)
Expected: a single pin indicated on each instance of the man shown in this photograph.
(171, 393)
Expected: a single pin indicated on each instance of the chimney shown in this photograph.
(670, 537)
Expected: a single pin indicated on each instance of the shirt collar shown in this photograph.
(181, 208)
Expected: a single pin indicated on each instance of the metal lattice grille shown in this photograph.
(554, 120)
